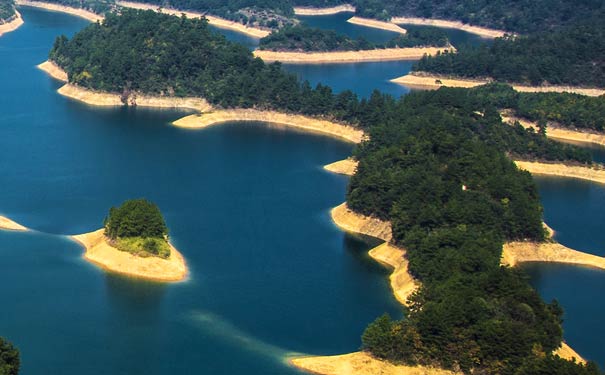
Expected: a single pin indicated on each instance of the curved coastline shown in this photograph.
(563, 170)
(339, 57)
(82, 13)
(204, 120)
(422, 80)
(376, 24)
(212, 20)
(99, 252)
(484, 32)
(11, 25)
(309, 11)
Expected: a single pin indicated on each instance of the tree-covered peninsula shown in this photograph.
(138, 227)
(309, 39)
(437, 165)
(7, 10)
(572, 55)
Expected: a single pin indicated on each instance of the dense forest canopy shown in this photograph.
(573, 55)
(9, 358)
(308, 39)
(436, 167)
(7, 10)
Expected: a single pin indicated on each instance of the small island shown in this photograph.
(134, 241)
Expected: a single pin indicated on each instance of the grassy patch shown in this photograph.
(143, 247)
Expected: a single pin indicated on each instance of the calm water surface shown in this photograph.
(248, 206)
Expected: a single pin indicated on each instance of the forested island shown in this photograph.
(571, 55)
(437, 166)
(309, 39)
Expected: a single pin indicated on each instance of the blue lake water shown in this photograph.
(248, 206)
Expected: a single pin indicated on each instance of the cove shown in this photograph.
(247, 205)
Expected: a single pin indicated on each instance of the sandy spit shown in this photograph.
(563, 170)
(99, 252)
(305, 11)
(426, 81)
(212, 20)
(387, 54)
(93, 17)
(514, 253)
(566, 352)
(360, 363)
(559, 132)
(8, 224)
(347, 167)
(478, 30)
(383, 25)
(204, 120)
(11, 25)
(53, 70)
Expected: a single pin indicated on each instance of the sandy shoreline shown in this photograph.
(426, 81)
(307, 11)
(93, 17)
(347, 167)
(11, 25)
(514, 253)
(99, 252)
(212, 20)
(558, 132)
(478, 30)
(8, 224)
(376, 24)
(204, 120)
(563, 170)
(386, 54)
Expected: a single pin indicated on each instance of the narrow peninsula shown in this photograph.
(134, 242)
(10, 18)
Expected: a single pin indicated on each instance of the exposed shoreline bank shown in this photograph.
(376, 24)
(8, 224)
(558, 132)
(346, 167)
(204, 120)
(339, 57)
(309, 11)
(563, 170)
(477, 30)
(82, 13)
(11, 25)
(99, 252)
(114, 99)
(212, 20)
(427, 81)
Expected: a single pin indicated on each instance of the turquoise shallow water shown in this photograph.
(247, 205)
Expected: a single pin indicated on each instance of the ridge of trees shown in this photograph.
(7, 10)
(10, 361)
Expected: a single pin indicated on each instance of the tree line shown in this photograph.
(309, 39)
(7, 10)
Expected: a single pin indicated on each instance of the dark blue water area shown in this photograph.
(361, 78)
(579, 292)
(338, 22)
(247, 204)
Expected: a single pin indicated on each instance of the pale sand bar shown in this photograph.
(426, 81)
(563, 170)
(53, 70)
(514, 253)
(348, 167)
(8, 224)
(11, 25)
(336, 57)
(93, 17)
(204, 120)
(478, 30)
(99, 252)
(559, 132)
(383, 25)
(305, 11)
(212, 20)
